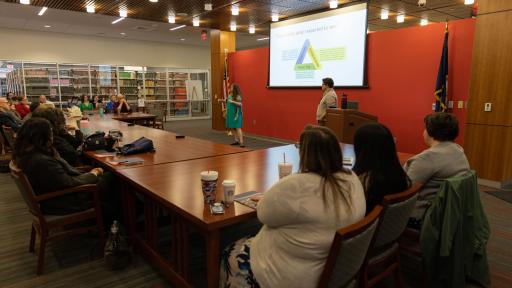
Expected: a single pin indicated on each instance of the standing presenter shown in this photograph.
(234, 116)
(329, 100)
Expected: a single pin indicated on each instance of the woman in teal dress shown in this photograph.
(86, 105)
(234, 116)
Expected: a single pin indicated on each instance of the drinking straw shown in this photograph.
(284, 157)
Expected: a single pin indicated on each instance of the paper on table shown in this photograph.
(247, 198)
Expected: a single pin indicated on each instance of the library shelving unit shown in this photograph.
(155, 84)
(41, 79)
(103, 80)
(179, 106)
(129, 83)
(74, 81)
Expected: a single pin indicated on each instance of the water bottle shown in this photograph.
(101, 111)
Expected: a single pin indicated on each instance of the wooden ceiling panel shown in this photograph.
(258, 12)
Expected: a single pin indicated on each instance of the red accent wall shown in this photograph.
(402, 71)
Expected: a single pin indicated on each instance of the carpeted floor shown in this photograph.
(503, 195)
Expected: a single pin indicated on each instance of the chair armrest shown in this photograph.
(84, 168)
(82, 188)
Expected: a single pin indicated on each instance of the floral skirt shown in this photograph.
(235, 266)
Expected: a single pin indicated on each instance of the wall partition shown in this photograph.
(184, 92)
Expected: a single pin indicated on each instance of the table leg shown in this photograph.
(150, 222)
(212, 258)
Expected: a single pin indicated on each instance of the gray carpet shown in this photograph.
(202, 129)
(503, 195)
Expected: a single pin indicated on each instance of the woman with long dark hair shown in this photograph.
(234, 115)
(300, 216)
(377, 164)
(35, 155)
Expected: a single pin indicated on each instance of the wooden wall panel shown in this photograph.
(490, 6)
(219, 41)
(488, 150)
(491, 70)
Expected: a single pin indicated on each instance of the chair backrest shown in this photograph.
(158, 109)
(397, 210)
(25, 189)
(348, 251)
(9, 135)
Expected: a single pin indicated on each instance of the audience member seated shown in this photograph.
(444, 159)
(97, 102)
(377, 164)
(33, 106)
(112, 104)
(22, 107)
(45, 102)
(47, 172)
(7, 116)
(86, 105)
(73, 101)
(10, 98)
(63, 142)
(122, 105)
(300, 216)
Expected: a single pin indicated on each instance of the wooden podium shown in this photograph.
(344, 123)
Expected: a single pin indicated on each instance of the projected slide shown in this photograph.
(330, 44)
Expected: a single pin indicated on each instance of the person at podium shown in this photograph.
(329, 100)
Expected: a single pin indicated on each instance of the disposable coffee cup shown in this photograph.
(285, 169)
(229, 191)
(209, 185)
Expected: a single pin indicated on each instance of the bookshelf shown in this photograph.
(61, 81)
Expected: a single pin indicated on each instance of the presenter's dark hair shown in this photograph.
(377, 163)
(328, 81)
(442, 126)
(34, 136)
(235, 90)
(320, 153)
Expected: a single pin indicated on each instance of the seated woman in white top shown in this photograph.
(300, 215)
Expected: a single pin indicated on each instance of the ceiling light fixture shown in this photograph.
(182, 39)
(252, 29)
(123, 13)
(234, 10)
(118, 20)
(153, 1)
(208, 6)
(469, 2)
(232, 27)
(424, 22)
(400, 18)
(384, 14)
(195, 22)
(47, 26)
(333, 4)
(41, 12)
(172, 19)
(122, 33)
(264, 38)
(177, 27)
(90, 8)
(275, 17)
(25, 2)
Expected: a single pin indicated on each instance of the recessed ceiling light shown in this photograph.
(195, 22)
(333, 4)
(47, 26)
(264, 38)
(275, 17)
(232, 27)
(384, 14)
(172, 19)
(469, 2)
(400, 18)
(252, 29)
(234, 10)
(154, 1)
(118, 20)
(122, 33)
(208, 6)
(182, 39)
(177, 27)
(25, 2)
(41, 12)
(123, 13)
(424, 22)
(90, 8)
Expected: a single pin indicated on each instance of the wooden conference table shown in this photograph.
(169, 179)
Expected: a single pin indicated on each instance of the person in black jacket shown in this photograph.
(7, 116)
(377, 164)
(46, 171)
(65, 143)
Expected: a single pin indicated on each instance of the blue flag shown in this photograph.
(442, 77)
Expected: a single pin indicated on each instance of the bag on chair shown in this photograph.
(141, 145)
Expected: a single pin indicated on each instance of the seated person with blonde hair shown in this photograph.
(122, 105)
